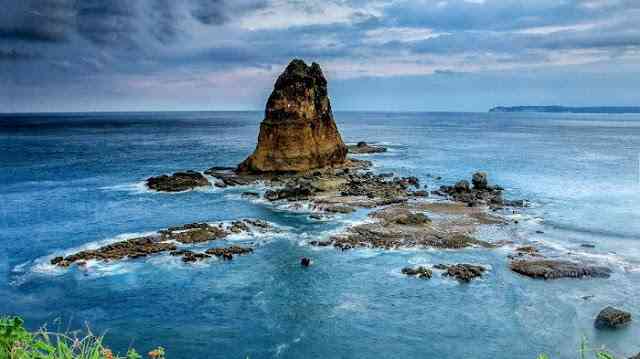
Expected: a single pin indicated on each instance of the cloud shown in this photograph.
(64, 42)
(36, 20)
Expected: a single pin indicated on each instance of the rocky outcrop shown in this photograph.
(177, 182)
(461, 272)
(166, 241)
(298, 132)
(553, 269)
(363, 147)
(481, 194)
(405, 226)
(418, 272)
(612, 318)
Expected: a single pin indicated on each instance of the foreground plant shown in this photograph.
(18, 343)
(584, 352)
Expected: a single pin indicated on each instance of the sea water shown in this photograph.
(76, 181)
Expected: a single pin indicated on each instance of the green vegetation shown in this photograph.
(585, 352)
(18, 343)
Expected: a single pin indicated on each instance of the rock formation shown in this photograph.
(298, 132)
(462, 272)
(177, 182)
(553, 269)
(419, 272)
(363, 147)
(612, 318)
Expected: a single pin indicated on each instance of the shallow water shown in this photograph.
(72, 181)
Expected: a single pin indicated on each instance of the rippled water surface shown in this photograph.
(75, 181)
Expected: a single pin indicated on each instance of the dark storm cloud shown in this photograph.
(62, 42)
(36, 20)
(14, 55)
(107, 22)
(218, 12)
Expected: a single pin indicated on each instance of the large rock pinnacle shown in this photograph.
(298, 132)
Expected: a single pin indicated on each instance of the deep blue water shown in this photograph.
(71, 181)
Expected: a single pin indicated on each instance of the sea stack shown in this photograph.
(298, 132)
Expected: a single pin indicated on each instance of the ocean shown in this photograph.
(73, 181)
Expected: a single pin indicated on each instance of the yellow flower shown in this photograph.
(108, 354)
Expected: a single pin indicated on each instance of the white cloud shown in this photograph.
(283, 14)
(401, 34)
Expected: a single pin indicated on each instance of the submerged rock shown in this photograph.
(298, 132)
(177, 182)
(305, 262)
(553, 269)
(363, 147)
(612, 318)
(419, 272)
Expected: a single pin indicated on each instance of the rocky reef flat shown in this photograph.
(169, 240)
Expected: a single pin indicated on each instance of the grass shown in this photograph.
(18, 343)
(585, 352)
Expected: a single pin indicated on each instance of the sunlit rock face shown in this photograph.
(298, 132)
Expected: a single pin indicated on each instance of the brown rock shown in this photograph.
(419, 272)
(462, 272)
(177, 182)
(553, 269)
(612, 318)
(298, 132)
(363, 147)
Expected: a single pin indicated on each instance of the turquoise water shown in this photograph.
(72, 181)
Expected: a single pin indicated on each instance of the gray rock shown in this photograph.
(419, 272)
(177, 182)
(479, 180)
(553, 269)
(612, 318)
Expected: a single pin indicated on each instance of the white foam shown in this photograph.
(133, 188)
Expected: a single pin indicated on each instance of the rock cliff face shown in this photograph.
(298, 132)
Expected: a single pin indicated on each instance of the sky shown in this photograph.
(383, 55)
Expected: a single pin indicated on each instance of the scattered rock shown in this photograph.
(526, 251)
(482, 194)
(298, 132)
(251, 194)
(462, 272)
(189, 256)
(479, 180)
(321, 243)
(553, 269)
(227, 253)
(164, 241)
(401, 226)
(612, 318)
(305, 262)
(419, 272)
(363, 147)
(338, 209)
(178, 182)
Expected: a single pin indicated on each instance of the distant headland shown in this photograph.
(566, 109)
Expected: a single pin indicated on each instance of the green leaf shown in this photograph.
(604, 355)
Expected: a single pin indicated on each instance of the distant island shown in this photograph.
(565, 109)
